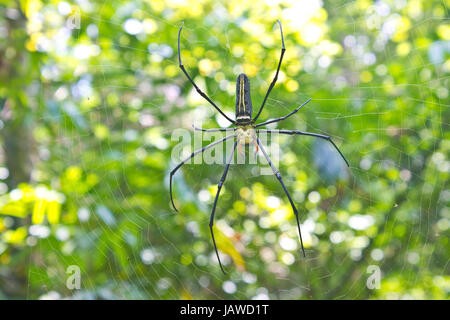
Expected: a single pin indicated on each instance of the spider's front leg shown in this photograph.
(188, 158)
(213, 130)
(221, 182)
(278, 175)
(311, 134)
(204, 95)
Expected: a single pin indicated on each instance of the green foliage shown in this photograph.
(87, 117)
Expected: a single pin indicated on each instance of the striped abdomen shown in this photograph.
(243, 99)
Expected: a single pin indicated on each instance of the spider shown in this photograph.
(246, 132)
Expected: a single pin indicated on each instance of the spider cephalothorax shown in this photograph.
(246, 132)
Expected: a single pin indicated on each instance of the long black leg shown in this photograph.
(193, 83)
(278, 175)
(292, 132)
(282, 118)
(192, 155)
(283, 49)
(213, 130)
(221, 182)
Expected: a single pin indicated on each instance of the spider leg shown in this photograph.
(256, 147)
(193, 83)
(221, 182)
(278, 175)
(192, 155)
(282, 118)
(321, 136)
(283, 49)
(212, 130)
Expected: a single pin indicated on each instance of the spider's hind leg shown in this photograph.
(283, 49)
(204, 95)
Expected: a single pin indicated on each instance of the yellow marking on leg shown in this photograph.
(256, 146)
(241, 93)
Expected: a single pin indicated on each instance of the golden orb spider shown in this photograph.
(246, 132)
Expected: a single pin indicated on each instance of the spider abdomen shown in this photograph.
(243, 99)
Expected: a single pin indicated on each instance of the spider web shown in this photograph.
(160, 251)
